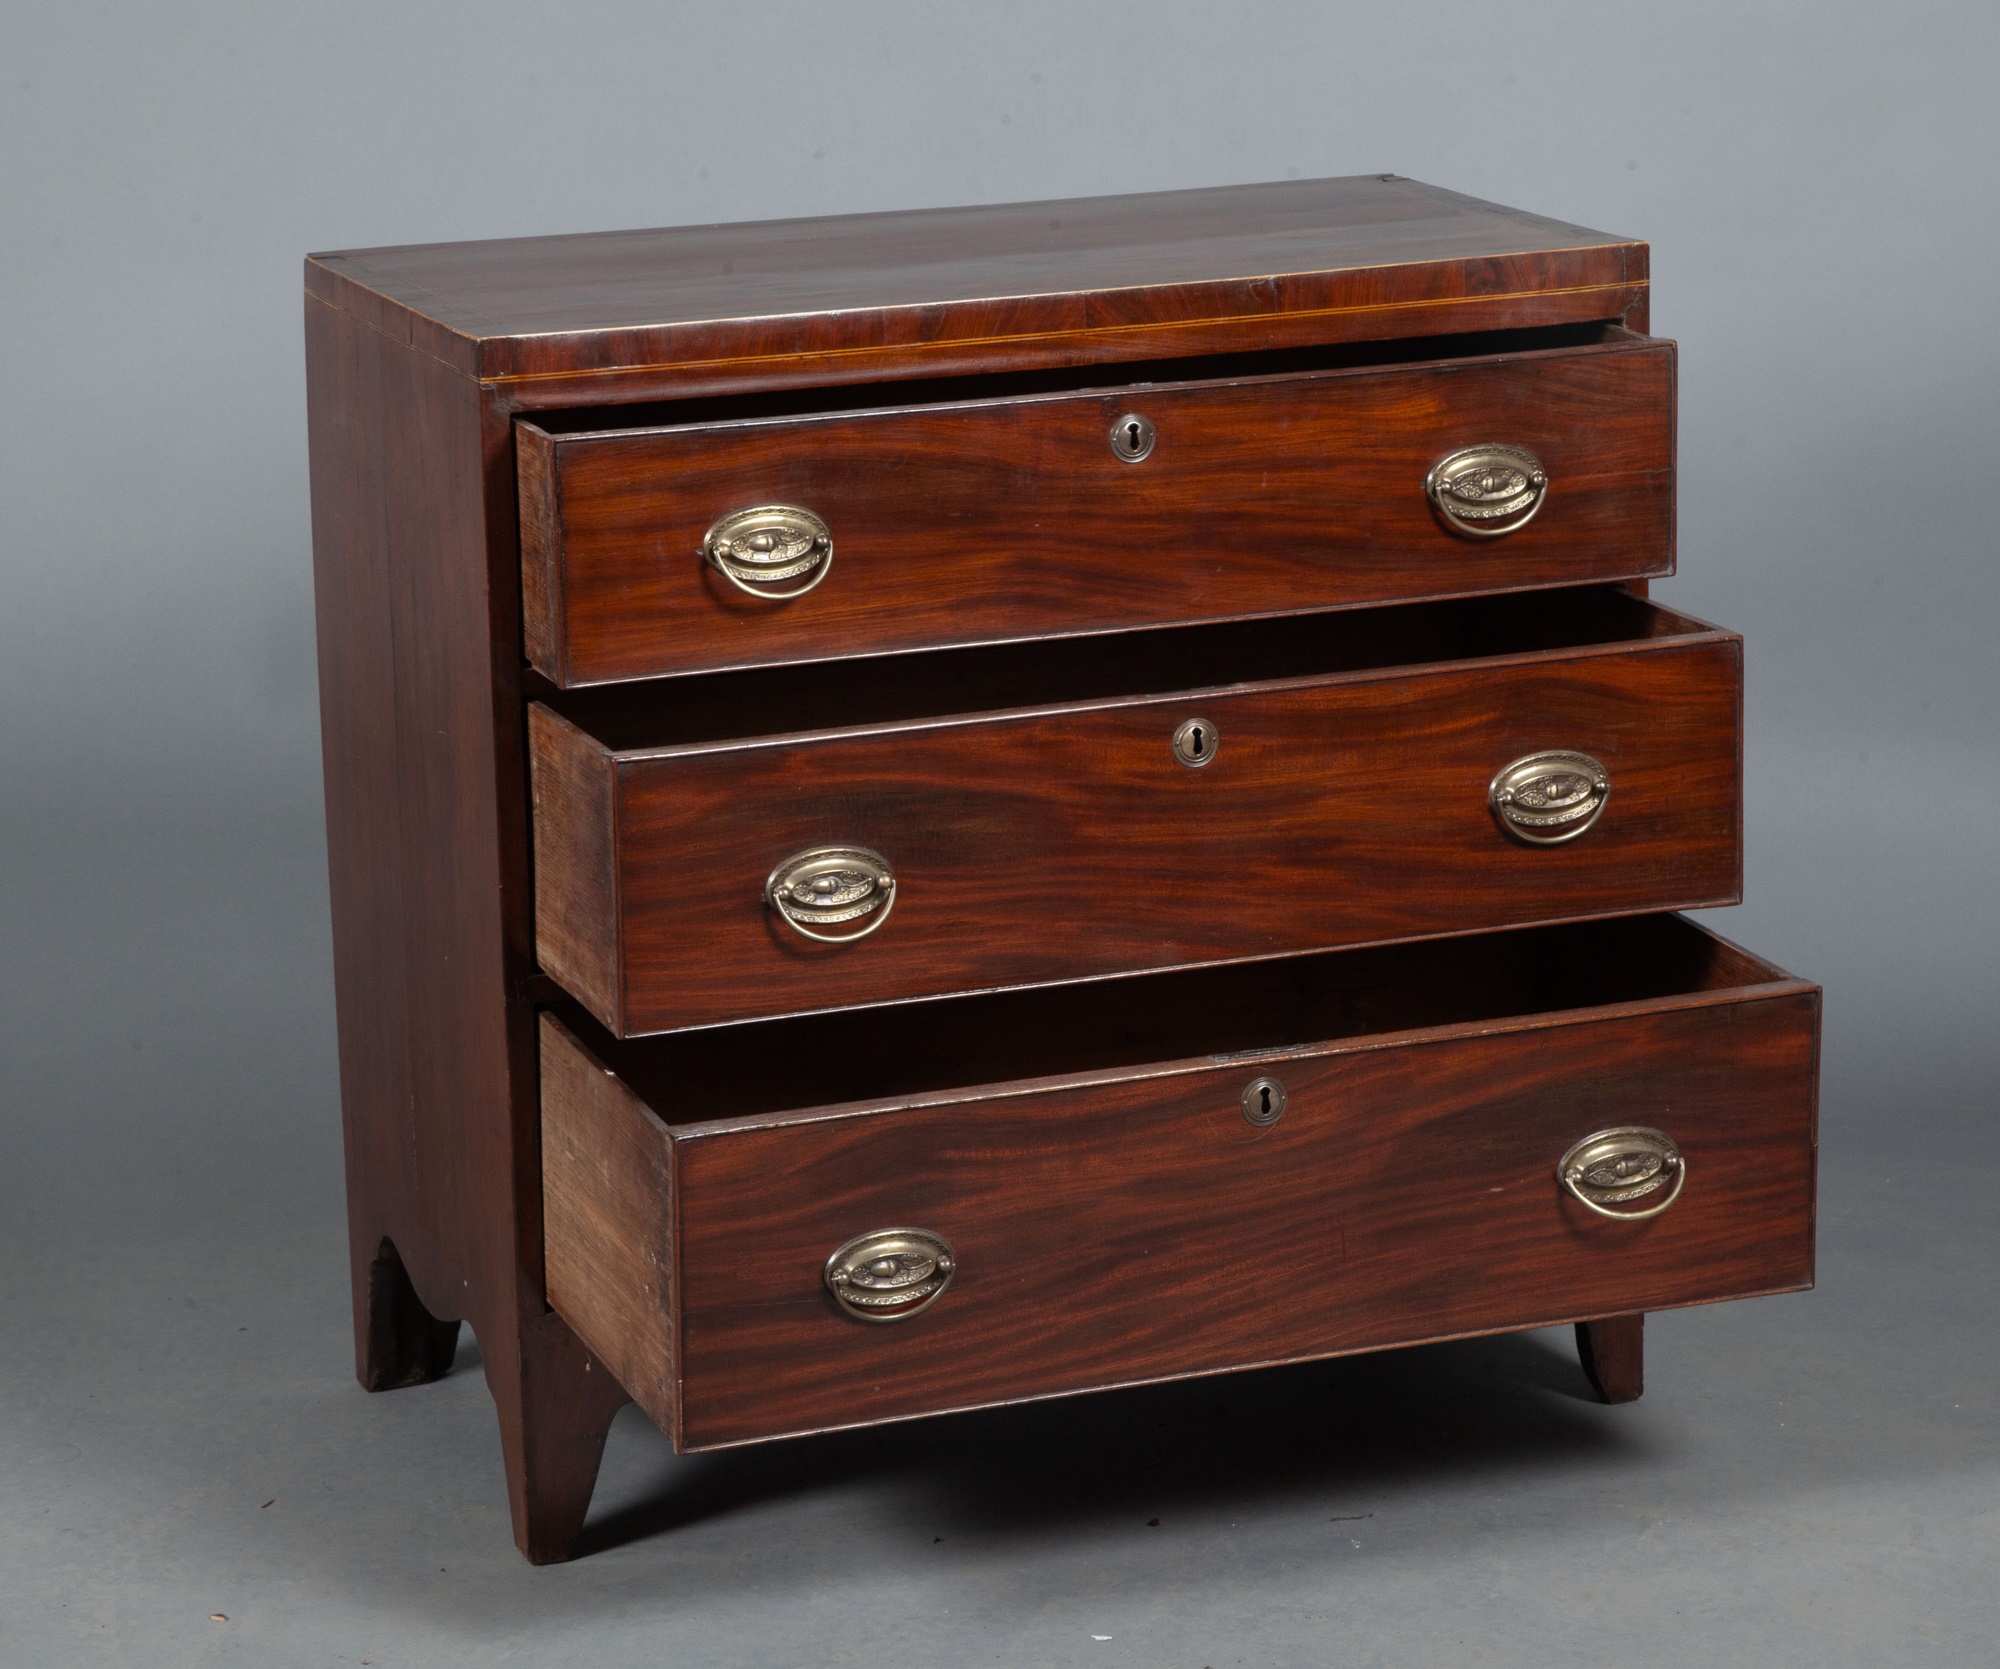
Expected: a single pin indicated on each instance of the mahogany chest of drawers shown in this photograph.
(929, 809)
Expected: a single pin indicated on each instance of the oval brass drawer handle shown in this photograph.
(1630, 1163)
(1548, 798)
(826, 886)
(759, 549)
(1486, 491)
(890, 1275)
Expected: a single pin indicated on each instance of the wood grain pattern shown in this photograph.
(990, 520)
(574, 787)
(631, 315)
(1066, 843)
(415, 572)
(1128, 1224)
(680, 1212)
(541, 555)
(873, 1054)
(607, 1188)
(1612, 1350)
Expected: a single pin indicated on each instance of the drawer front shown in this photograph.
(1051, 845)
(1002, 519)
(1137, 1226)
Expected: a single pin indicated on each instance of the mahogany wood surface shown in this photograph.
(1067, 842)
(1082, 1138)
(403, 1343)
(576, 882)
(1129, 1224)
(775, 1066)
(634, 315)
(608, 1192)
(989, 520)
(415, 571)
(1612, 1350)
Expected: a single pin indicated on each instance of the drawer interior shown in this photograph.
(885, 689)
(758, 1069)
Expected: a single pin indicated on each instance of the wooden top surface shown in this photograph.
(940, 290)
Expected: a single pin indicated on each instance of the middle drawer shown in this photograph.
(1039, 814)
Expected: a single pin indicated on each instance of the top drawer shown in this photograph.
(970, 521)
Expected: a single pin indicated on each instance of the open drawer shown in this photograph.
(1044, 813)
(1176, 1174)
(750, 532)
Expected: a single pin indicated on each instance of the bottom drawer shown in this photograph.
(1180, 1174)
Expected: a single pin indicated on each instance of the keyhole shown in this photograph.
(1195, 742)
(1264, 1101)
(1132, 437)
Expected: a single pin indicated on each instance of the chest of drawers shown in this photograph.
(931, 809)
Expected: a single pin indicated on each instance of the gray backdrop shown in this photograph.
(1810, 1479)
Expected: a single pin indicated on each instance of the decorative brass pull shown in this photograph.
(1486, 491)
(1613, 1166)
(758, 550)
(890, 1275)
(1548, 798)
(825, 886)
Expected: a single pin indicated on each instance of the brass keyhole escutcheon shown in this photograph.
(1195, 743)
(1263, 1101)
(1132, 437)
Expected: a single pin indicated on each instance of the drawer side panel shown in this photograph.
(541, 549)
(607, 1192)
(574, 791)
